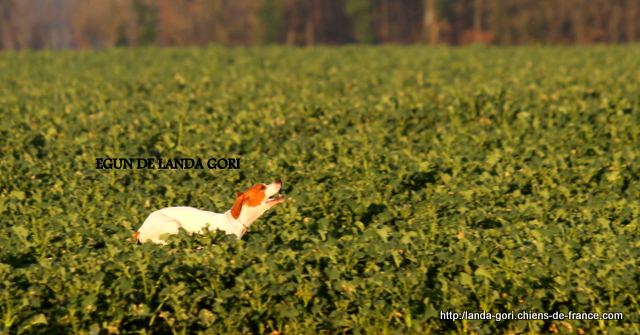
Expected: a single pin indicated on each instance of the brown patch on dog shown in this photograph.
(135, 236)
(237, 206)
(255, 195)
(252, 197)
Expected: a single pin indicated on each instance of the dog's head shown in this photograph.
(257, 199)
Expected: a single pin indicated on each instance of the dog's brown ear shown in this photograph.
(237, 206)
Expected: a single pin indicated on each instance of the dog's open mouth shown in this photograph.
(277, 199)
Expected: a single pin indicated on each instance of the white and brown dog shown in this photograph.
(248, 207)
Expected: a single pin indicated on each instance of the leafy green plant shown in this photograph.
(419, 180)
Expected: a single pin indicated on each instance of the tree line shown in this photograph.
(37, 24)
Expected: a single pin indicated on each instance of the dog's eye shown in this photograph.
(262, 187)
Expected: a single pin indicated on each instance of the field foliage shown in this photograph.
(419, 180)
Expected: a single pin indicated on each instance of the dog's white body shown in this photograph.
(248, 207)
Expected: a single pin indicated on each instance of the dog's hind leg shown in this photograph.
(157, 225)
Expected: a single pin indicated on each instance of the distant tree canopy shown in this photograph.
(58, 24)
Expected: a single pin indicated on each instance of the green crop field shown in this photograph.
(419, 181)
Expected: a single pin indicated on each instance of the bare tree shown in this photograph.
(430, 25)
(631, 10)
(477, 20)
(6, 40)
(99, 23)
